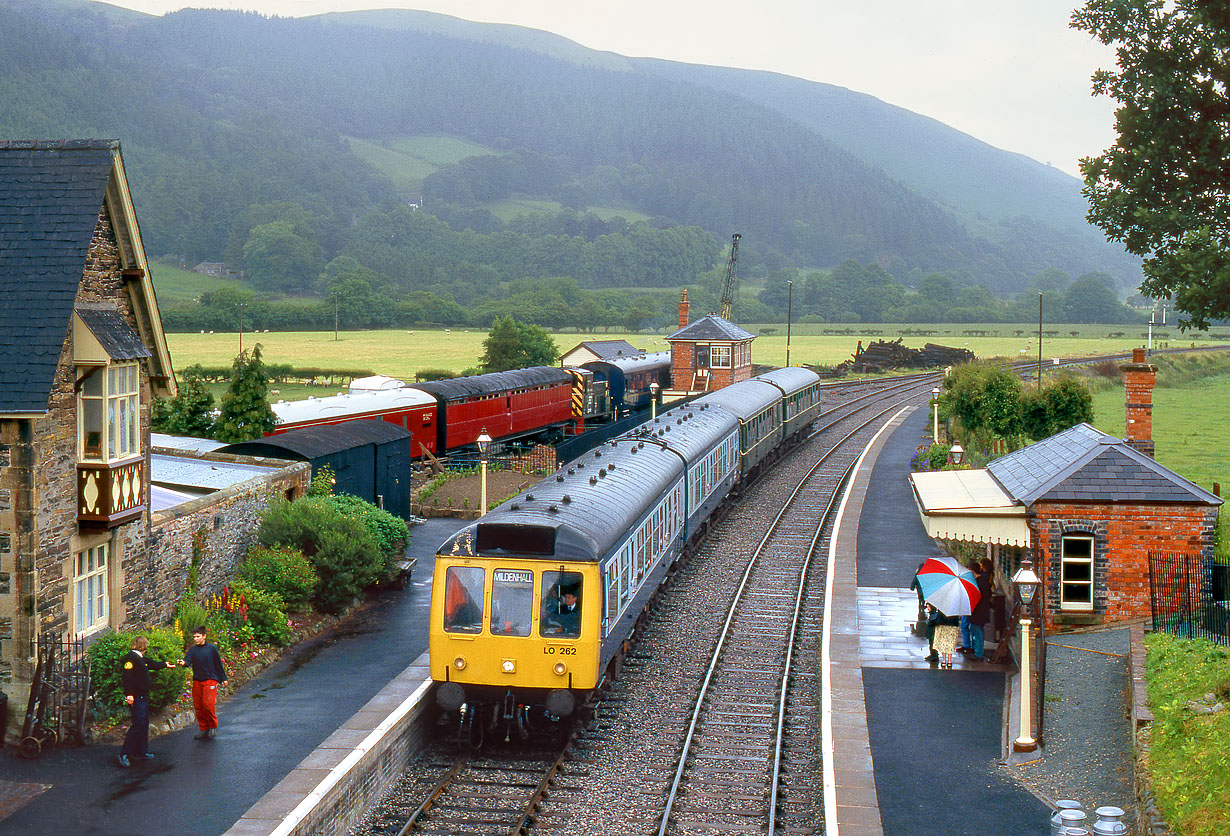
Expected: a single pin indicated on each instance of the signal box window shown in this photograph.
(512, 602)
(463, 595)
(561, 604)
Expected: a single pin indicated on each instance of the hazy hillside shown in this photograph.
(232, 122)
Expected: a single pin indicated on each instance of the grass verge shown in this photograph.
(1189, 759)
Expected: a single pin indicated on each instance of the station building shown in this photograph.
(1087, 508)
(82, 355)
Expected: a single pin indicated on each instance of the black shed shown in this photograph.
(370, 459)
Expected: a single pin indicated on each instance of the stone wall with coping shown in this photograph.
(217, 530)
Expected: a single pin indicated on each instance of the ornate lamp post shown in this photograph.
(1026, 584)
(484, 442)
(935, 415)
(654, 388)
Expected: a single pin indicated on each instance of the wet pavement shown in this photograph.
(266, 729)
(936, 736)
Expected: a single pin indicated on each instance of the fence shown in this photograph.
(1188, 596)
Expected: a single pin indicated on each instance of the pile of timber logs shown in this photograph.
(884, 355)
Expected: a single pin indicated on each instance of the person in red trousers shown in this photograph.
(207, 674)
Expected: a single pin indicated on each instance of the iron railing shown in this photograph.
(1188, 595)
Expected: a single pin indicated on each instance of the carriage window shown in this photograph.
(561, 604)
(512, 597)
(463, 595)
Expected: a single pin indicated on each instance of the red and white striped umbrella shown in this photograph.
(948, 586)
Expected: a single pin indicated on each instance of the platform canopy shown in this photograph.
(969, 505)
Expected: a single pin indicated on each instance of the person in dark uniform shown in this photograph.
(207, 673)
(568, 614)
(136, 671)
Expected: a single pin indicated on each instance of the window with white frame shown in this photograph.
(1076, 574)
(719, 356)
(90, 589)
(108, 412)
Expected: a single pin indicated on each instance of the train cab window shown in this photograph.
(463, 596)
(512, 602)
(561, 604)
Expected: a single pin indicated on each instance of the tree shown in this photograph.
(1090, 300)
(985, 398)
(279, 257)
(1161, 189)
(245, 413)
(191, 411)
(1063, 403)
(515, 345)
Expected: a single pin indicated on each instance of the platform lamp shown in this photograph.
(1026, 584)
(935, 415)
(654, 388)
(956, 453)
(484, 443)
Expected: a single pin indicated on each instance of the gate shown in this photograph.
(1188, 596)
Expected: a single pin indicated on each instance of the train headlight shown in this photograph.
(560, 669)
(459, 663)
(508, 666)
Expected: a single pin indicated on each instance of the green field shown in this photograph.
(407, 160)
(173, 285)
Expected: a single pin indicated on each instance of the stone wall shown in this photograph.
(1123, 537)
(217, 530)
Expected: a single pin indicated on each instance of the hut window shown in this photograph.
(1076, 578)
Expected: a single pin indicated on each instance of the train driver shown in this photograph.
(564, 614)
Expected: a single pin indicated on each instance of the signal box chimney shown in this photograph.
(683, 309)
(1139, 378)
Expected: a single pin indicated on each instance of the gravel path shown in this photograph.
(1088, 736)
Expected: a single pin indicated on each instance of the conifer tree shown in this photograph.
(245, 411)
(191, 411)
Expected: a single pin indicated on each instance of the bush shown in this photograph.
(388, 530)
(265, 613)
(340, 547)
(106, 673)
(281, 570)
(938, 455)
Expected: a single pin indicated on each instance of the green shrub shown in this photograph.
(389, 531)
(190, 614)
(282, 570)
(346, 563)
(106, 673)
(938, 455)
(265, 613)
(340, 547)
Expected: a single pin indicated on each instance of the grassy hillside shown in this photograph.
(174, 285)
(407, 160)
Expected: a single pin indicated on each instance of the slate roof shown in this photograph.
(114, 334)
(712, 327)
(610, 349)
(1083, 464)
(50, 197)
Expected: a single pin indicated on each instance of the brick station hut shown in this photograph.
(1086, 507)
(708, 354)
(82, 354)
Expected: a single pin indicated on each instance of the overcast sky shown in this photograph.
(1011, 72)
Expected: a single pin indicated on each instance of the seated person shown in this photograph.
(465, 617)
(564, 615)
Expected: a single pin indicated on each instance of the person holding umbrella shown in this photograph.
(952, 590)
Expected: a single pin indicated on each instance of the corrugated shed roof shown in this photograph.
(50, 197)
(313, 442)
(116, 336)
(712, 327)
(205, 474)
(184, 442)
(1084, 464)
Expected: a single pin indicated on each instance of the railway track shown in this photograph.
(741, 770)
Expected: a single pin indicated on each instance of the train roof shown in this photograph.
(743, 399)
(310, 443)
(607, 490)
(349, 405)
(790, 378)
(692, 429)
(628, 365)
(486, 384)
